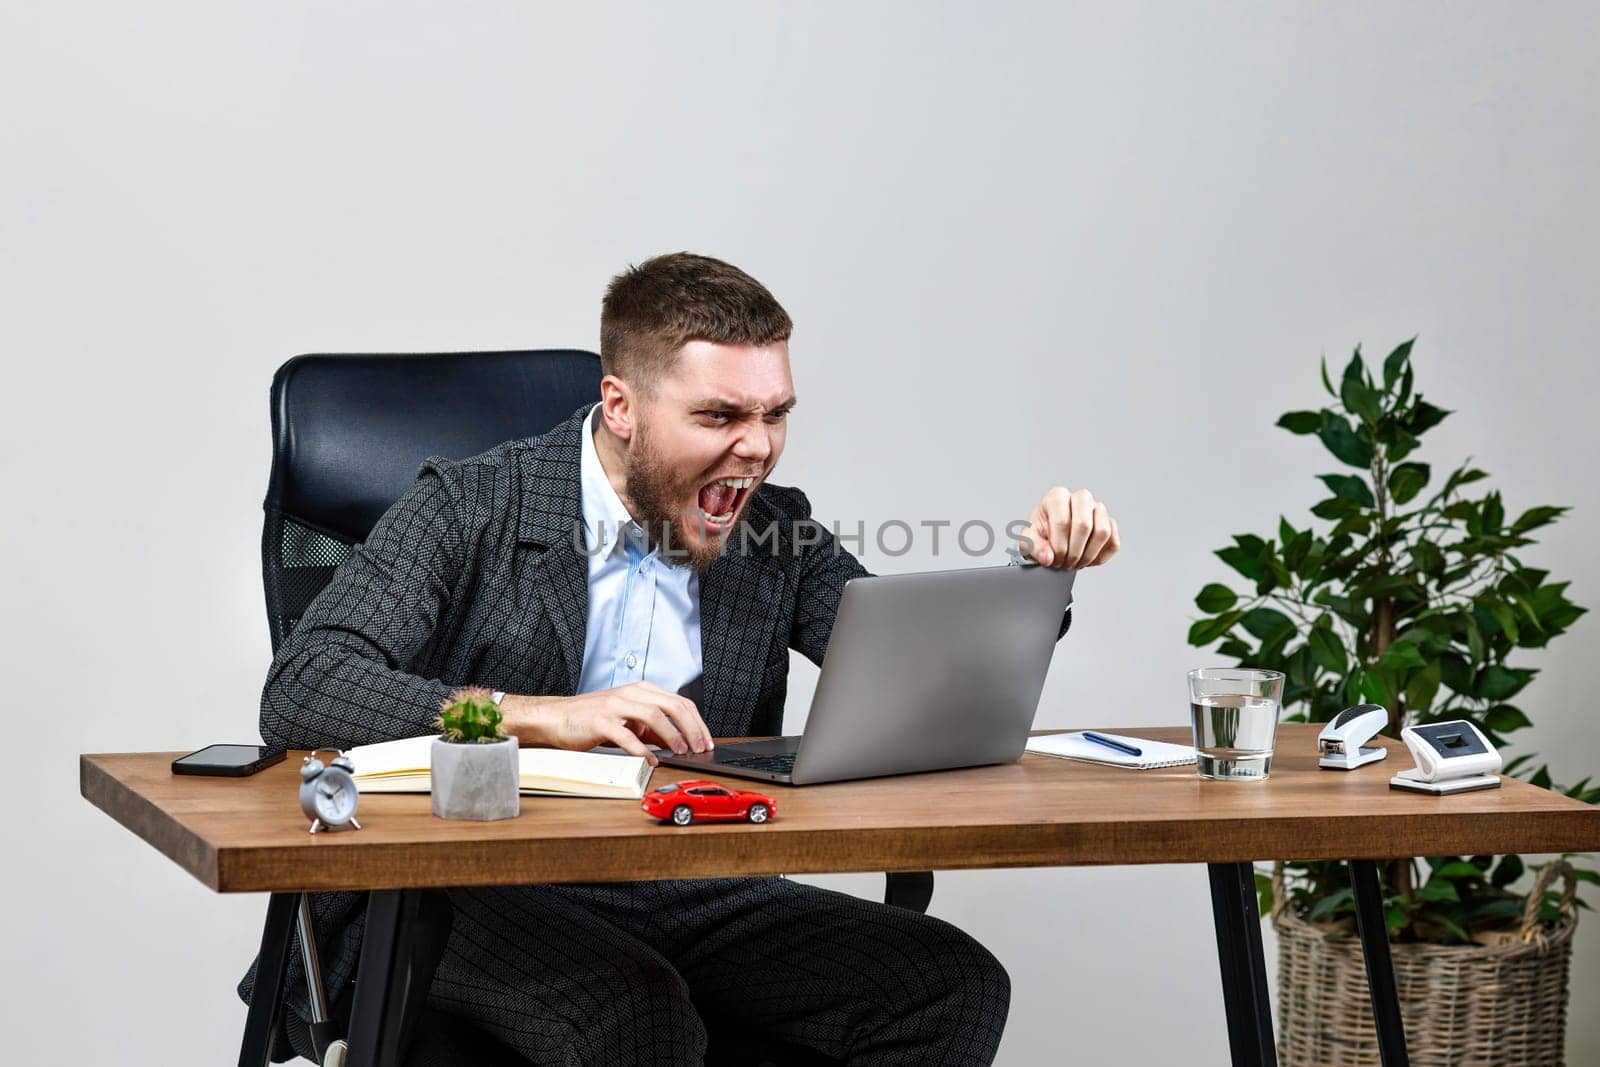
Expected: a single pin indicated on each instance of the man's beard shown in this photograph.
(657, 497)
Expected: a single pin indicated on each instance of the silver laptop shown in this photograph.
(924, 672)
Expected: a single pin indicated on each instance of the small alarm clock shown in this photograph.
(328, 794)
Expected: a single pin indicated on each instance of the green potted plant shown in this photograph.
(474, 769)
(1417, 601)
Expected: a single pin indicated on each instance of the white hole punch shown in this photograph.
(1343, 742)
(1452, 757)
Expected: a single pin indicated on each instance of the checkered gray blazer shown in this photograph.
(476, 576)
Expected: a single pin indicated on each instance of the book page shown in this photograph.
(403, 766)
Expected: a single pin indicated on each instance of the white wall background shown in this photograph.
(1096, 244)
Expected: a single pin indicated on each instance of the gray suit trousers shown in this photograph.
(628, 974)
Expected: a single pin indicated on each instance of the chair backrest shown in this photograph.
(350, 431)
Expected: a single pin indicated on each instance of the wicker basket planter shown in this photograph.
(1501, 1004)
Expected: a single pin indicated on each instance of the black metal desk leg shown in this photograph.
(266, 995)
(1244, 969)
(383, 977)
(1380, 970)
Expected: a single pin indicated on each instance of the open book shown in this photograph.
(402, 767)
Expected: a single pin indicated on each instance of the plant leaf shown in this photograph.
(1401, 446)
(1360, 398)
(1296, 551)
(1428, 558)
(1265, 624)
(1234, 648)
(1208, 630)
(1438, 889)
(1456, 673)
(1507, 621)
(1402, 655)
(1264, 898)
(1515, 762)
(1355, 370)
(1349, 487)
(1536, 517)
(1244, 555)
(1493, 514)
(1457, 869)
(1333, 508)
(1422, 417)
(1301, 422)
(1475, 643)
(1407, 480)
(1325, 907)
(1447, 924)
(1497, 910)
(1503, 719)
(1396, 363)
(1341, 440)
(1327, 649)
(1499, 682)
(1422, 688)
(1215, 597)
(1509, 870)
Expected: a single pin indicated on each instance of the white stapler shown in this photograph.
(1343, 742)
(1452, 757)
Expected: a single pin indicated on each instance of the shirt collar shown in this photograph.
(604, 514)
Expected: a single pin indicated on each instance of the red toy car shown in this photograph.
(681, 803)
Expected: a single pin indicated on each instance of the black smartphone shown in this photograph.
(230, 761)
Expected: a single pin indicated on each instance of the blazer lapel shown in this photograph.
(561, 583)
(551, 519)
(737, 597)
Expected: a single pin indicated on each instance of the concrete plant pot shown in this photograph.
(475, 780)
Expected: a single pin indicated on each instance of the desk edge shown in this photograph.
(695, 853)
(147, 821)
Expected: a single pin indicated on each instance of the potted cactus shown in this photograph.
(474, 765)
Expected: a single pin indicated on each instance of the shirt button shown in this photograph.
(632, 660)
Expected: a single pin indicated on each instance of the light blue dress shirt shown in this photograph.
(644, 611)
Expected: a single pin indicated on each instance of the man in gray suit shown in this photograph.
(587, 576)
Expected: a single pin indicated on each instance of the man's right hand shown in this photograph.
(629, 716)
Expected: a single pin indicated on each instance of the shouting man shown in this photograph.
(586, 576)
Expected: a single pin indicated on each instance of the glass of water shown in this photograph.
(1235, 715)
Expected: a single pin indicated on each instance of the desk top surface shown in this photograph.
(248, 835)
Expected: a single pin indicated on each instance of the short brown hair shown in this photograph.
(652, 310)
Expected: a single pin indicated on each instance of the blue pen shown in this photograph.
(1111, 742)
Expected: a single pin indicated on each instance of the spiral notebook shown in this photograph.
(1075, 746)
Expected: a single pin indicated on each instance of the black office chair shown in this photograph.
(348, 435)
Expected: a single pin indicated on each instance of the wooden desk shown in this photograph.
(247, 835)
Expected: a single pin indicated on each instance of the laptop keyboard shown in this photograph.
(781, 764)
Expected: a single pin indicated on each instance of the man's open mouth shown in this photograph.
(721, 499)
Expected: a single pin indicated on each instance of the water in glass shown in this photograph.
(1233, 734)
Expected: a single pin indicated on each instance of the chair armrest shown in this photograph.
(908, 889)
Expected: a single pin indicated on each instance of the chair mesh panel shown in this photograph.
(297, 562)
(301, 546)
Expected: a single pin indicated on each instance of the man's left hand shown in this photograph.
(1070, 529)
